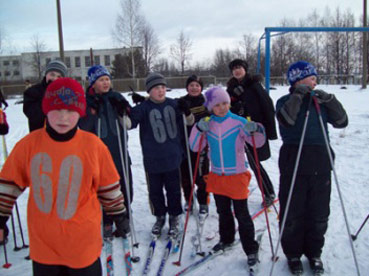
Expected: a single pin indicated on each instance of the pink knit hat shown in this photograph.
(214, 96)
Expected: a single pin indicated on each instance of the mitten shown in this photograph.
(137, 98)
(302, 90)
(94, 101)
(183, 106)
(121, 105)
(122, 224)
(322, 96)
(203, 124)
(250, 127)
(238, 90)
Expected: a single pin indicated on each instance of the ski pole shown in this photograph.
(317, 107)
(260, 182)
(252, 160)
(16, 247)
(133, 245)
(354, 237)
(292, 182)
(20, 226)
(178, 263)
(7, 264)
(193, 193)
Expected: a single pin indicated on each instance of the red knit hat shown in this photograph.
(64, 93)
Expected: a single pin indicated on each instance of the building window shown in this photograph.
(107, 60)
(67, 61)
(15, 62)
(6, 62)
(77, 61)
(87, 61)
(97, 60)
(16, 73)
(48, 61)
(7, 73)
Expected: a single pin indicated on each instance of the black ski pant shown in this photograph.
(186, 181)
(266, 182)
(107, 219)
(61, 270)
(227, 228)
(171, 182)
(307, 218)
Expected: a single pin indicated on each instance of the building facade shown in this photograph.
(31, 65)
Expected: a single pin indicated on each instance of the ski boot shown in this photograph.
(108, 231)
(295, 266)
(187, 206)
(316, 265)
(221, 246)
(269, 199)
(174, 226)
(158, 226)
(203, 212)
(252, 262)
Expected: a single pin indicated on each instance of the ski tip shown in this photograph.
(178, 263)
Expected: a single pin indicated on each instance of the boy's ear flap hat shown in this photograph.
(154, 79)
(299, 71)
(64, 93)
(214, 96)
(96, 72)
(58, 66)
(238, 62)
(196, 79)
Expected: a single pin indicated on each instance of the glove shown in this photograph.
(122, 224)
(250, 127)
(237, 108)
(302, 90)
(183, 106)
(203, 124)
(121, 105)
(322, 96)
(94, 101)
(238, 90)
(137, 98)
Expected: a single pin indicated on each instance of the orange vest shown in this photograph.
(64, 213)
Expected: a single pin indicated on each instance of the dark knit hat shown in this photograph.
(299, 71)
(238, 62)
(196, 79)
(154, 79)
(96, 72)
(64, 93)
(58, 66)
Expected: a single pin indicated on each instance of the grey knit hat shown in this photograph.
(58, 66)
(154, 79)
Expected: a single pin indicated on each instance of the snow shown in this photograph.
(351, 146)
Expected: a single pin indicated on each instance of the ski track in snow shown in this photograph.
(351, 147)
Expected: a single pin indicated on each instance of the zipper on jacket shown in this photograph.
(220, 149)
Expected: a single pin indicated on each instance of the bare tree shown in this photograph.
(180, 51)
(38, 47)
(150, 46)
(128, 27)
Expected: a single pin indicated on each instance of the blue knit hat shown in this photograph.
(299, 71)
(96, 72)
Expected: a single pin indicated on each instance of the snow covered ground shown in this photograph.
(351, 146)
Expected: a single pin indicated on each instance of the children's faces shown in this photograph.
(309, 81)
(221, 109)
(102, 84)
(194, 89)
(62, 120)
(53, 75)
(157, 93)
(238, 72)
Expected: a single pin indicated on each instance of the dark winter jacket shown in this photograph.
(108, 127)
(161, 129)
(249, 99)
(32, 105)
(196, 105)
(290, 112)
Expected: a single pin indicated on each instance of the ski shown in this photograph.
(150, 255)
(259, 235)
(108, 246)
(127, 256)
(165, 257)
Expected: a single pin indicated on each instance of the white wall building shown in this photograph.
(22, 67)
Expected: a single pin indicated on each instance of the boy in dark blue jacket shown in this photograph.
(307, 218)
(161, 130)
(105, 108)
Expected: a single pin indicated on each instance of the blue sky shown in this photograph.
(209, 24)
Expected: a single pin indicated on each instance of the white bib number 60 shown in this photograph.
(69, 184)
